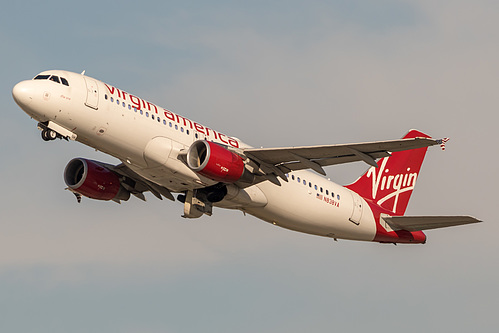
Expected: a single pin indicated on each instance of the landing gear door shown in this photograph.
(356, 209)
(92, 100)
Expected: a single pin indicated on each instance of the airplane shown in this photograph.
(165, 153)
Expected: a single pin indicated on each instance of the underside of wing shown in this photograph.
(136, 184)
(417, 223)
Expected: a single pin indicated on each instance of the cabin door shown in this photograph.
(92, 100)
(356, 209)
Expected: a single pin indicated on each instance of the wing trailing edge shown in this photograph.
(279, 161)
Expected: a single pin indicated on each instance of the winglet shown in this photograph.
(442, 142)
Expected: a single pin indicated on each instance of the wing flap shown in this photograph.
(334, 154)
(330, 161)
(417, 223)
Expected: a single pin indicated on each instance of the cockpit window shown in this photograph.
(55, 79)
(41, 77)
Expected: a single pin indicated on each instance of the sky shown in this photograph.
(272, 73)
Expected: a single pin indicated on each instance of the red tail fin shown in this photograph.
(391, 184)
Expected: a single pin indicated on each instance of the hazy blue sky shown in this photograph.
(273, 73)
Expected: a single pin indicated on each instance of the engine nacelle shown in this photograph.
(215, 162)
(93, 180)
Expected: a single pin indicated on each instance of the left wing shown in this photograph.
(137, 184)
(283, 160)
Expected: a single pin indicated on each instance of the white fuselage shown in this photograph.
(148, 139)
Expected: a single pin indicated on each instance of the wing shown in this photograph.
(282, 160)
(417, 223)
(137, 184)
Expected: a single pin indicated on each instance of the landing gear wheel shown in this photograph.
(45, 135)
(48, 135)
(52, 135)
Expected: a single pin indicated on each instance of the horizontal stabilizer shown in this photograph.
(417, 223)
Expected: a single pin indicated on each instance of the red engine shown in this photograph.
(93, 180)
(215, 162)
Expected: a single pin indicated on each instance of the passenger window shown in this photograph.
(293, 177)
(304, 182)
(159, 120)
(105, 97)
(327, 192)
(141, 112)
(118, 101)
(315, 187)
(129, 107)
(147, 114)
(298, 179)
(321, 190)
(182, 129)
(112, 99)
(55, 79)
(196, 135)
(338, 197)
(176, 127)
(152, 116)
(64, 81)
(164, 122)
(187, 131)
(123, 104)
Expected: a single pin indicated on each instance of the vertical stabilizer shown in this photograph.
(391, 184)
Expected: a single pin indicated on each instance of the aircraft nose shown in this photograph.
(23, 93)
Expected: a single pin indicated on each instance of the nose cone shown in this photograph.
(23, 93)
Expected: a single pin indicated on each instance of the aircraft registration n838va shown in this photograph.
(164, 153)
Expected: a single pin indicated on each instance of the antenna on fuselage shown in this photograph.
(83, 73)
